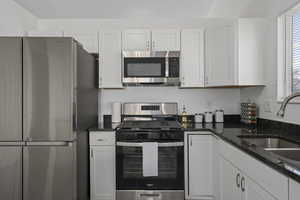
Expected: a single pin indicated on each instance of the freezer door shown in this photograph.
(49, 172)
(10, 89)
(49, 71)
(11, 172)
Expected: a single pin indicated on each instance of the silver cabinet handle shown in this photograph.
(237, 179)
(243, 184)
(100, 140)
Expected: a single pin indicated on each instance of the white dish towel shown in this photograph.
(150, 159)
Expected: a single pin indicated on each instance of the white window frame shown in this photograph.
(284, 54)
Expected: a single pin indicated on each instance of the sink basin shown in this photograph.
(292, 154)
(268, 142)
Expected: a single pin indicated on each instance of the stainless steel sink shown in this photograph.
(292, 154)
(268, 142)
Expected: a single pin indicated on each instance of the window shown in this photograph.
(288, 53)
(296, 53)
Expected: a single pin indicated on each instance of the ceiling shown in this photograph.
(115, 9)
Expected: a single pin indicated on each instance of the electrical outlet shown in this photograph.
(267, 107)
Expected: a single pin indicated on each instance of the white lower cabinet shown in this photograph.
(102, 166)
(236, 185)
(199, 168)
(294, 190)
(229, 177)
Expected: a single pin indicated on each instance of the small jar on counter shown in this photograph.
(208, 117)
(199, 117)
(219, 116)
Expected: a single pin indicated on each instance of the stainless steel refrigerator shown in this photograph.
(47, 96)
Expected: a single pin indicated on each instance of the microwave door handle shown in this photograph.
(134, 144)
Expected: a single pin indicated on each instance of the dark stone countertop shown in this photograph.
(230, 131)
(102, 128)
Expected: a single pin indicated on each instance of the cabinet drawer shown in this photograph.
(271, 180)
(102, 138)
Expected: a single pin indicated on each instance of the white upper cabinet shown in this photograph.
(110, 59)
(235, 55)
(166, 40)
(220, 58)
(45, 33)
(89, 40)
(192, 58)
(136, 40)
(252, 37)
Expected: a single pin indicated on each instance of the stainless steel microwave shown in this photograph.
(151, 67)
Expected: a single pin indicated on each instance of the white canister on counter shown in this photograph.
(116, 112)
(199, 118)
(208, 117)
(219, 116)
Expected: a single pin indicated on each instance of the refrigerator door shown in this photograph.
(11, 172)
(49, 71)
(49, 172)
(10, 89)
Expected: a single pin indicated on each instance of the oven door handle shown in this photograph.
(134, 144)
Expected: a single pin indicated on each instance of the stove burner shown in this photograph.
(151, 125)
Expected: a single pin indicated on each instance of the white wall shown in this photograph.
(266, 97)
(98, 24)
(195, 100)
(14, 19)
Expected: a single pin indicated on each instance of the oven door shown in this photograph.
(129, 166)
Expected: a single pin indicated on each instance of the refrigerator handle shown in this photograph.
(49, 144)
(74, 116)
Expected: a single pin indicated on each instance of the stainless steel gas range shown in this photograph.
(158, 174)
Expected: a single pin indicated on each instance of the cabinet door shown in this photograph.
(166, 40)
(215, 168)
(49, 172)
(10, 89)
(110, 60)
(89, 40)
(199, 166)
(192, 58)
(220, 59)
(252, 191)
(11, 172)
(102, 163)
(136, 40)
(230, 188)
(294, 190)
(48, 75)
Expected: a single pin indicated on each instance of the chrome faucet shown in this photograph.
(281, 111)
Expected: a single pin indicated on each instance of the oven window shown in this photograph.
(133, 167)
(130, 169)
(144, 67)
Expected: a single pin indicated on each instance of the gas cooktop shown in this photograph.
(150, 125)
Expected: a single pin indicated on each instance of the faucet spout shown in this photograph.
(282, 109)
